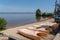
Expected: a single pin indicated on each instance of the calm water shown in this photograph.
(19, 19)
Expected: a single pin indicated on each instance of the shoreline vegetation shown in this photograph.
(3, 24)
(44, 14)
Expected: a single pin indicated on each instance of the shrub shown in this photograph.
(50, 14)
(44, 14)
(3, 24)
(47, 15)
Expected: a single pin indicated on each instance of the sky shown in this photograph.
(26, 5)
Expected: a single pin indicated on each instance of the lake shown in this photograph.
(15, 19)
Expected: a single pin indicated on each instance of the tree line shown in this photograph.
(44, 14)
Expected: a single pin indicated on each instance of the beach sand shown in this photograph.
(12, 32)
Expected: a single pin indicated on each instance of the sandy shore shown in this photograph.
(13, 31)
(24, 24)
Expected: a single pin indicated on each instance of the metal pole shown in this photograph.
(55, 1)
(55, 5)
(59, 1)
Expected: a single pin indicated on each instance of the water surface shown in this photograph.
(15, 19)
